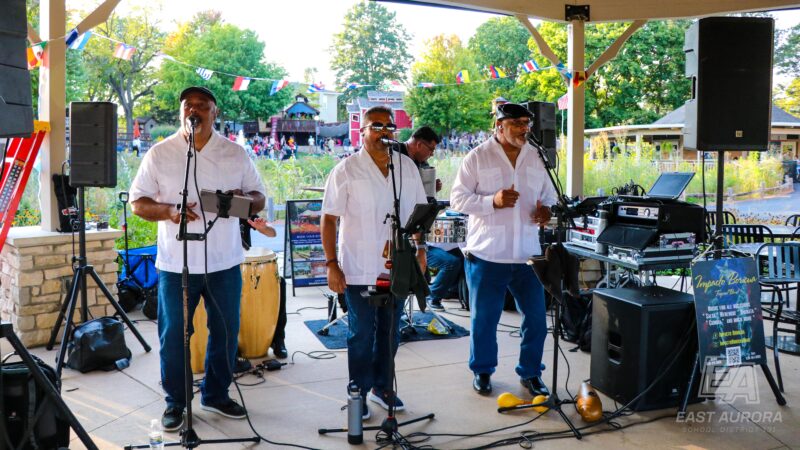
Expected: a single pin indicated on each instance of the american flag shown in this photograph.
(124, 51)
(563, 102)
(204, 73)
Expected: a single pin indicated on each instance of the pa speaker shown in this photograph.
(16, 112)
(729, 61)
(93, 144)
(543, 130)
(636, 332)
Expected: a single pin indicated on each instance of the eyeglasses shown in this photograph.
(430, 147)
(527, 124)
(378, 127)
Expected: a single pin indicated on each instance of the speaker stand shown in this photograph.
(81, 270)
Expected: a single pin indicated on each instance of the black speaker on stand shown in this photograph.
(16, 112)
(93, 143)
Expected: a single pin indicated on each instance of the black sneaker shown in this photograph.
(172, 420)
(382, 398)
(435, 304)
(228, 409)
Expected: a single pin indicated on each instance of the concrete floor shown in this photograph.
(291, 404)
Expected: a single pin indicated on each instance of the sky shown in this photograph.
(298, 33)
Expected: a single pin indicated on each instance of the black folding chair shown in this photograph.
(779, 269)
(711, 221)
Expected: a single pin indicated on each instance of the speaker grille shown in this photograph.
(93, 144)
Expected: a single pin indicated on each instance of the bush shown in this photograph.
(160, 132)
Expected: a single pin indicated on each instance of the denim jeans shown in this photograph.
(487, 282)
(449, 265)
(368, 354)
(225, 287)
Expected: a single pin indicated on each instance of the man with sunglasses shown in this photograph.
(503, 185)
(359, 195)
(217, 164)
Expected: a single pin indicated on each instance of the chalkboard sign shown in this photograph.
(730, 324)
(304, 254)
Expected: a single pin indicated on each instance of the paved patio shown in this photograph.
(291, 404)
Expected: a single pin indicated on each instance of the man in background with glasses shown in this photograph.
(503, 185)
(359, 194)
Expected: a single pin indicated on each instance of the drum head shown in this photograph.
(259, 254)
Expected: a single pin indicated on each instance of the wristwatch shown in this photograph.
(334, 260)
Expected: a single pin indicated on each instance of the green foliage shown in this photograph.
(371, 48)
(787, 52)
(501, 42)
(209, 43)
(114, 79)
(790, 100)
(404, 134)
(457, 107)
(160, 132)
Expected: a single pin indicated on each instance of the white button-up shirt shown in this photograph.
(358, 193)
(221, 164)
(506, 235)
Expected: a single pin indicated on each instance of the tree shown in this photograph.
(787, 52)
(229, 51)
(462, 107)
(501, 42)
(644, 82)
(371, 49)
(790, 101)
(126, 81)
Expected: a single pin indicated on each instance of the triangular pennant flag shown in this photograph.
(316, 87)
(204, 73)
(563, 102)
(427, 85)
(462, 77)
(241, 83)
(124, 51)
(578, 78)
(496, 72)
(563, 70)
(164, 56)
(353, 86)
(35, 54)
(80, 42)
(71, 36)
(277, 85)
(530, 66)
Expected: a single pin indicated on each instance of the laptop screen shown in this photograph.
(670, 185)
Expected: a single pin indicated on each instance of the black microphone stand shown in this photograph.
(561, 211)
(189, 438)
(398, 243)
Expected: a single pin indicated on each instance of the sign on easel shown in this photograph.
(304, 256)
(730, 325)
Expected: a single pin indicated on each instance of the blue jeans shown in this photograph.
(487, 282)
(368, 355)
(449, 265)
(225, 287)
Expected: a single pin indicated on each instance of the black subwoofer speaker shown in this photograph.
(16, 113)
(635, 332)
(93, 144)
(543, 128)
(729, 60)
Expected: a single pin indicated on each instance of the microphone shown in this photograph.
(387, 142)
(193, 120)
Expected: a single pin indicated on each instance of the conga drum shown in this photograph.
(259, 309)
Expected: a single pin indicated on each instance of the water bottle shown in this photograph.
(156, 435)
(355, 434)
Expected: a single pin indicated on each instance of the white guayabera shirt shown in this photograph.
(221, 164)
(358, 193)
(506, 235)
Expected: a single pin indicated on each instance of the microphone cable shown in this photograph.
(211, 300)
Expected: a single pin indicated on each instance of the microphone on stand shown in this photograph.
(387, 142)
(193, 120)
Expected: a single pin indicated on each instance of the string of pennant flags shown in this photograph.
(77, 42)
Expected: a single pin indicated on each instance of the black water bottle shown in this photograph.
(355, 434)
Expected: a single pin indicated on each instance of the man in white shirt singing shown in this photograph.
(503, 186)
(359, 192)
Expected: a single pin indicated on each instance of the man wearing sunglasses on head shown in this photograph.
(359, 194)
(503, 185)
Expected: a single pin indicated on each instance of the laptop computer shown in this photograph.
(670, 185)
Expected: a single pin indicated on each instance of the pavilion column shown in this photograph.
(52, 106)
(638, 145)
(575, 117)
